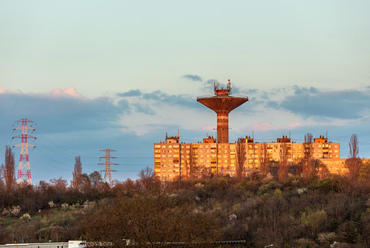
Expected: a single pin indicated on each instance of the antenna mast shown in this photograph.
(24, 157)
(108, 163)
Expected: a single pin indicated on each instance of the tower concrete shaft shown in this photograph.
(107, 164)
(222, 103)
(24, 169)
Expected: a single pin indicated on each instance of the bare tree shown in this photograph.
(240, 159)
(353, 146)
(9, 168)
(59, 184)
(77, 173)
(307, 147)
(353, 163)
(147, 180)
(283, 165)
(264, 160)
(206, 172)
(308, 138)
(316, 167)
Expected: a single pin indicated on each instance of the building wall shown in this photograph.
(173, 159)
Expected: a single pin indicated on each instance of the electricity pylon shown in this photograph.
(24, 157)
(108, 163)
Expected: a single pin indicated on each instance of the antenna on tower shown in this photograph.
(107, 164)
(178, 133)
(24, 157)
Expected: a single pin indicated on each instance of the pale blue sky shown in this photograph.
(123, 66)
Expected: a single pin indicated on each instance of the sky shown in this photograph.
(97, 75)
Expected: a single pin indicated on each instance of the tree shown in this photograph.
(206, 172)
(353, 146)
(364, 173)
(353, 163)
(315, 167)
(147, 179)
(283, 165)
(77, 173)
(95, 179)
(59, 233)
(85, 185)
(313, 220)
(60, 184)
(149, 221)
(240, 159)
(265, 161)
(308, 138)
(9, 169)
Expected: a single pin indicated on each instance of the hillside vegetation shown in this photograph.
(295, 212)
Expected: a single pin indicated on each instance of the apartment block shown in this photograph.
(174, 160)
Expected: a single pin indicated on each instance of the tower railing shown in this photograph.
(242, 96)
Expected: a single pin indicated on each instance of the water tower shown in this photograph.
(222, 103)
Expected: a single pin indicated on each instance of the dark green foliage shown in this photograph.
(349, 234)
(334, 225)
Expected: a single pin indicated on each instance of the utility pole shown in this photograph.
(108, 163)
(24, 161)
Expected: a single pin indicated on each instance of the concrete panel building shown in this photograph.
(174, 160)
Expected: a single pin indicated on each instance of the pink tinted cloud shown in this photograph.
(267, 126)
(68, 91)
(57, 92)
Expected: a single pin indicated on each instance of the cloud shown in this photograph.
(130, 93)
(346, 104)
(59, 110)
(192, 77)
(161, 97)
(143, 109)
(302, 90)
(267, 126)
(67, 92)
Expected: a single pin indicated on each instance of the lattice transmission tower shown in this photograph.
(24, 169)
(108, 163)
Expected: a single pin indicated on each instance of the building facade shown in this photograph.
(174, 160)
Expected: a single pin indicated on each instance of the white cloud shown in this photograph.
(67, 92)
